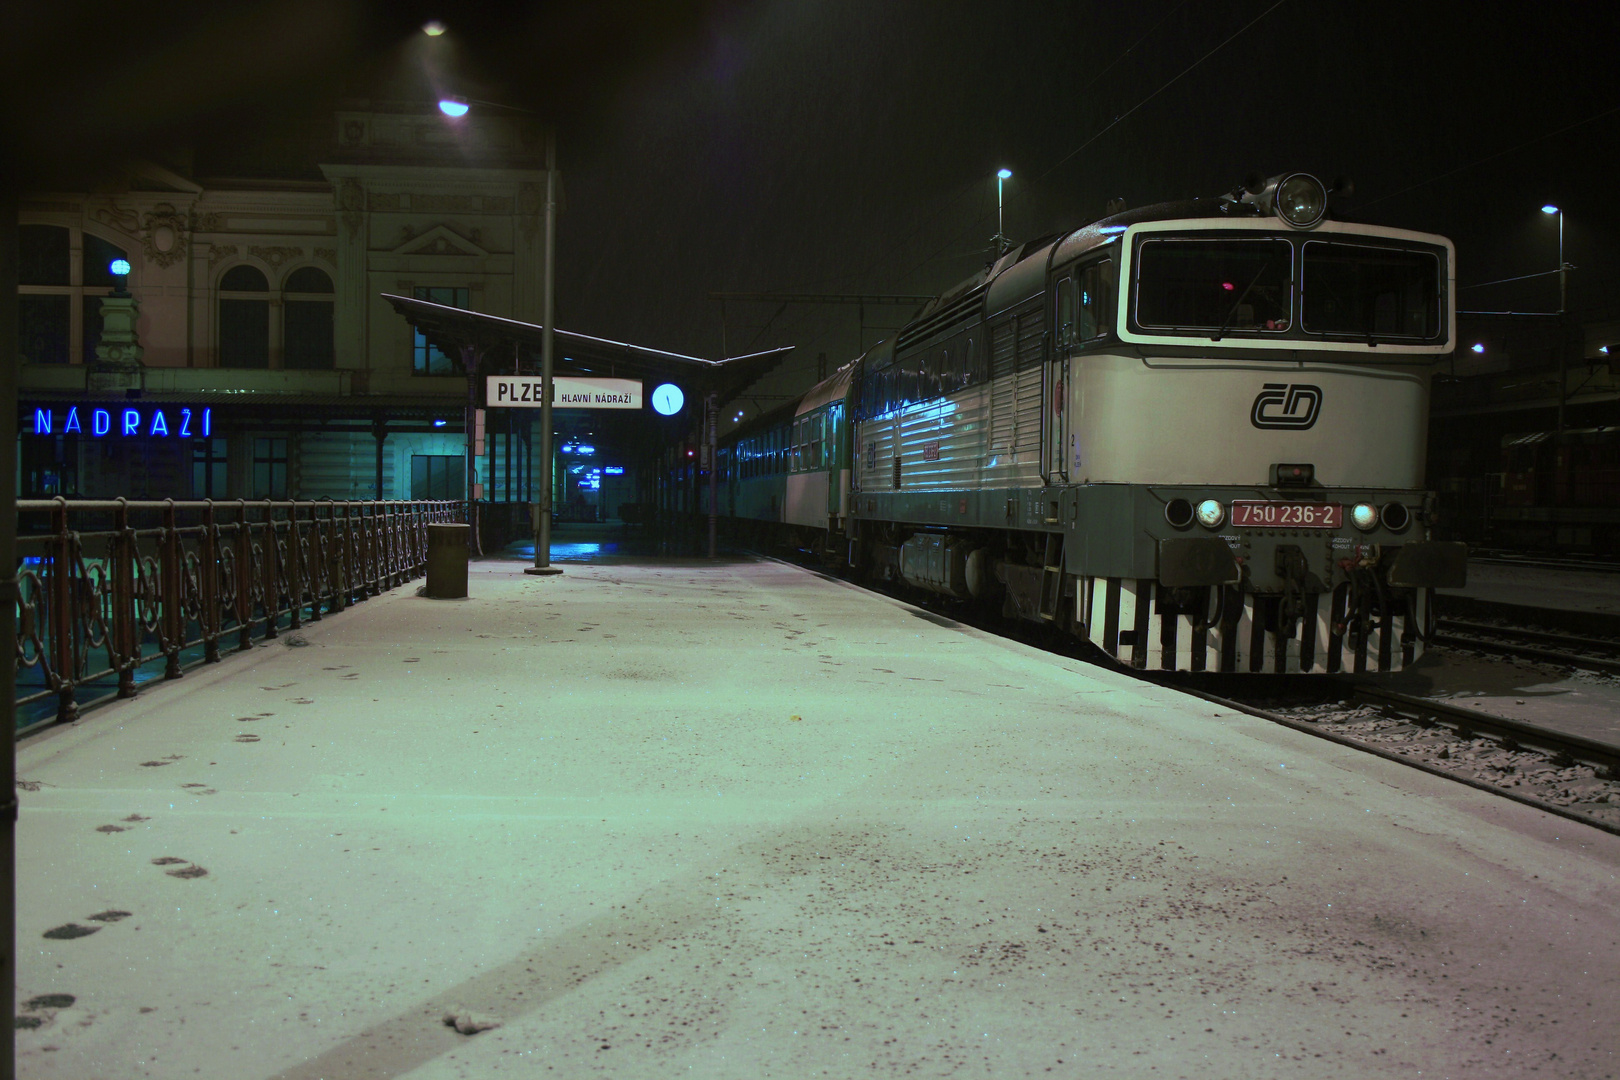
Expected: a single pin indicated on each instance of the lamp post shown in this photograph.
(1563, 268)
(1563, 297)
(455, 107)
(1002, 176)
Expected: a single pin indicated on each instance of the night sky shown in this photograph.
(851, 146)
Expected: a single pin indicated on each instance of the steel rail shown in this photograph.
(1473, 635)
(1510, 733)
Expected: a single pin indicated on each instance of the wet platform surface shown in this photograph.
(734, 819)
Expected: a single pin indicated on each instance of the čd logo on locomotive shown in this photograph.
(1300, 404)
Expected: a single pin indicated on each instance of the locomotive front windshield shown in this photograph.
(1363, 291)
(1215, 286)
(1273, 286)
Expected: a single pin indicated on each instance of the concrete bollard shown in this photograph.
(447, 561)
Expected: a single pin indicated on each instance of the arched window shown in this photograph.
(59, 296)
(244, 318)
(306, 315)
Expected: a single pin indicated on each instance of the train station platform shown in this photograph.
(734, 819)
(1572, 590)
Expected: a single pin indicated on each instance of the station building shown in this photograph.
(247, 352)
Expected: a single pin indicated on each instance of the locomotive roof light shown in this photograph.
(1210, 514)
(1301, 200)
(1364, 516)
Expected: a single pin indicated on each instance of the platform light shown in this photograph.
(439, 423)
(1549, 209)
(1604, 349)
(453, 108)
(1477, 347)
(433, 28)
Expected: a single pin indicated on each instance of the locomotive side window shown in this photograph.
(1222, 286)
(1371, 292)
(1096, 301)
(1063, 314)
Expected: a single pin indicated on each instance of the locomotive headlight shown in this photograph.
(1210, 514)
(1364, 516)
(1396, 516)
(1301, 200)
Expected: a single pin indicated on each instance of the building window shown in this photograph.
(269, 468)
(244, 318)
(59, 297)
(50, 466)
(306, 314)
(438, 476)
(427, 359)
(208, 472)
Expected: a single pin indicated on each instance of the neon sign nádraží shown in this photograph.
(177, 422)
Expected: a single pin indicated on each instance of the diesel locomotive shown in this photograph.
(1192, 433)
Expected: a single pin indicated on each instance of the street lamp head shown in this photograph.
(1004, 174)
(453, 108)
(1549, 209)
(1477, 347)
(118, 268)
(433, 28)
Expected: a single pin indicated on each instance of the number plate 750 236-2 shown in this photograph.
(1287, 515)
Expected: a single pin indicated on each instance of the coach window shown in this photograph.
(244, 318)
(306, 314)
(1096, 301)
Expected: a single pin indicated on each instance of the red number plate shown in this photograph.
(1287, 515)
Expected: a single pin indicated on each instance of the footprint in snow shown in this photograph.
(247, 738)
(188, 870)
(69, 931)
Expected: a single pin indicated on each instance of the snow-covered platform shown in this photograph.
(1555, 588)
(737, 820)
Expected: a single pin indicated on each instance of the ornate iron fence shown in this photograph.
(108, 588)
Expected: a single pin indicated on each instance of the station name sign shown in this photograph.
(166, 421)
(567, 392)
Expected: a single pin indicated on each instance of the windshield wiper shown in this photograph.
(1220, 331)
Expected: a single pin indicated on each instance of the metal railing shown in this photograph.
(110, 590)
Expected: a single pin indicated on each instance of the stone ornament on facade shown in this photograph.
(219, 252)
(351, 200)
(127, 221)
(275, 256)
(327, 255)
(207, 223)
(165, 235)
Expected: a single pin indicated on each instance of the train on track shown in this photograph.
(1191, 433)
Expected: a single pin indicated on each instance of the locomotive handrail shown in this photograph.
(110, 588)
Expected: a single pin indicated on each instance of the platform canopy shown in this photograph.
(507, 346)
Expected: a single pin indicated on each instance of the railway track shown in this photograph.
(1571, 650)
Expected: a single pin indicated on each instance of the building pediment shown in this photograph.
(440, 240)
